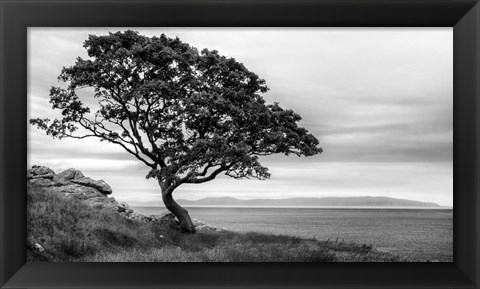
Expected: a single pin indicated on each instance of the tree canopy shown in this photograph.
(188, 115)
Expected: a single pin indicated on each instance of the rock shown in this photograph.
(78, 191)
(37, 253)
(123, 207)
(41, 182)
(39, 247)
(46, 176)
(137, 217)
(46, 180)
(201, 225)
(40, 170)
(60, 182)
(40, 176)
(69, 174)
(43, 176)
(169, 219)
(165, 219)
(210, 228)
(197, 222)
(100, 185)
(103, 202)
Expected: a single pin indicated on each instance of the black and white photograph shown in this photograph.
(178, 144)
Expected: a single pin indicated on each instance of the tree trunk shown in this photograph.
(186, 224)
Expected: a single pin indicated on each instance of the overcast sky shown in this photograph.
(379, 101)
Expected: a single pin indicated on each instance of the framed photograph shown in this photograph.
(307, 141)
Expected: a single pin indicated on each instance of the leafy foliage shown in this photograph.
(188, 115)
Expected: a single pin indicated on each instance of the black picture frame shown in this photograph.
(16, 16)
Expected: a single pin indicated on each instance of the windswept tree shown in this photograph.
(187, 115)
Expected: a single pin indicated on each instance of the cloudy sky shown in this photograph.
(379, 101)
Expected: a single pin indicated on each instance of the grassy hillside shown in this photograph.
(68, 230)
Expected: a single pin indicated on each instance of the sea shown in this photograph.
(420, 234)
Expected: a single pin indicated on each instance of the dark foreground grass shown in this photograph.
(69, 230)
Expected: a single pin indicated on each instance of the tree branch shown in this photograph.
(103, 136)
(209, 178)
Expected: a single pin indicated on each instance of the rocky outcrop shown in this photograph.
(167, 218)
(39, 171)
(70, 174)
(100, 185)
(201, 225)
(95, 193)
(73, 183)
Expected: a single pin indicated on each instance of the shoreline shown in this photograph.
(306, 207)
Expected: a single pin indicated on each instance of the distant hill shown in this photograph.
(366, 201)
